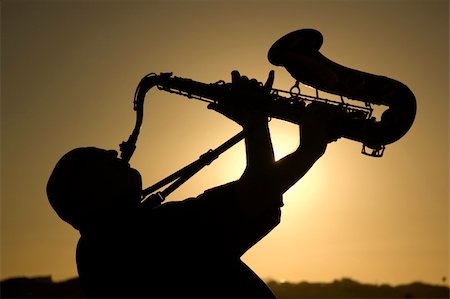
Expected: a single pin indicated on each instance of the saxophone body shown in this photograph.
(299, 53)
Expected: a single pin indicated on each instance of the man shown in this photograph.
(190, 248)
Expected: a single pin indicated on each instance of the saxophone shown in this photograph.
(299, 53)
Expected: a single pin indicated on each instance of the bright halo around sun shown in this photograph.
(285, 137)
(285, 140)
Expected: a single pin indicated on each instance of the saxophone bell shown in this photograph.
(299, 53)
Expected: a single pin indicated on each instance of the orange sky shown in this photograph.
(69, 70)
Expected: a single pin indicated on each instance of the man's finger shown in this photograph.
(269, 82)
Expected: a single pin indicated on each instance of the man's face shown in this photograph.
(122, 185)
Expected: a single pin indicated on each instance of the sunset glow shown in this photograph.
(69, 72)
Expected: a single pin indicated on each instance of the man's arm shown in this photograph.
(278, 176)
(317, 130)
(260, 189)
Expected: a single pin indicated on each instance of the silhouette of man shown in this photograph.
(190, 248)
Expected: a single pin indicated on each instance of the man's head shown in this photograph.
(89, 184)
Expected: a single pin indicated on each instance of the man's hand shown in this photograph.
(321, 124)
(247, 98)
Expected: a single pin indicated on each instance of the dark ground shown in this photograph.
(44, 287)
